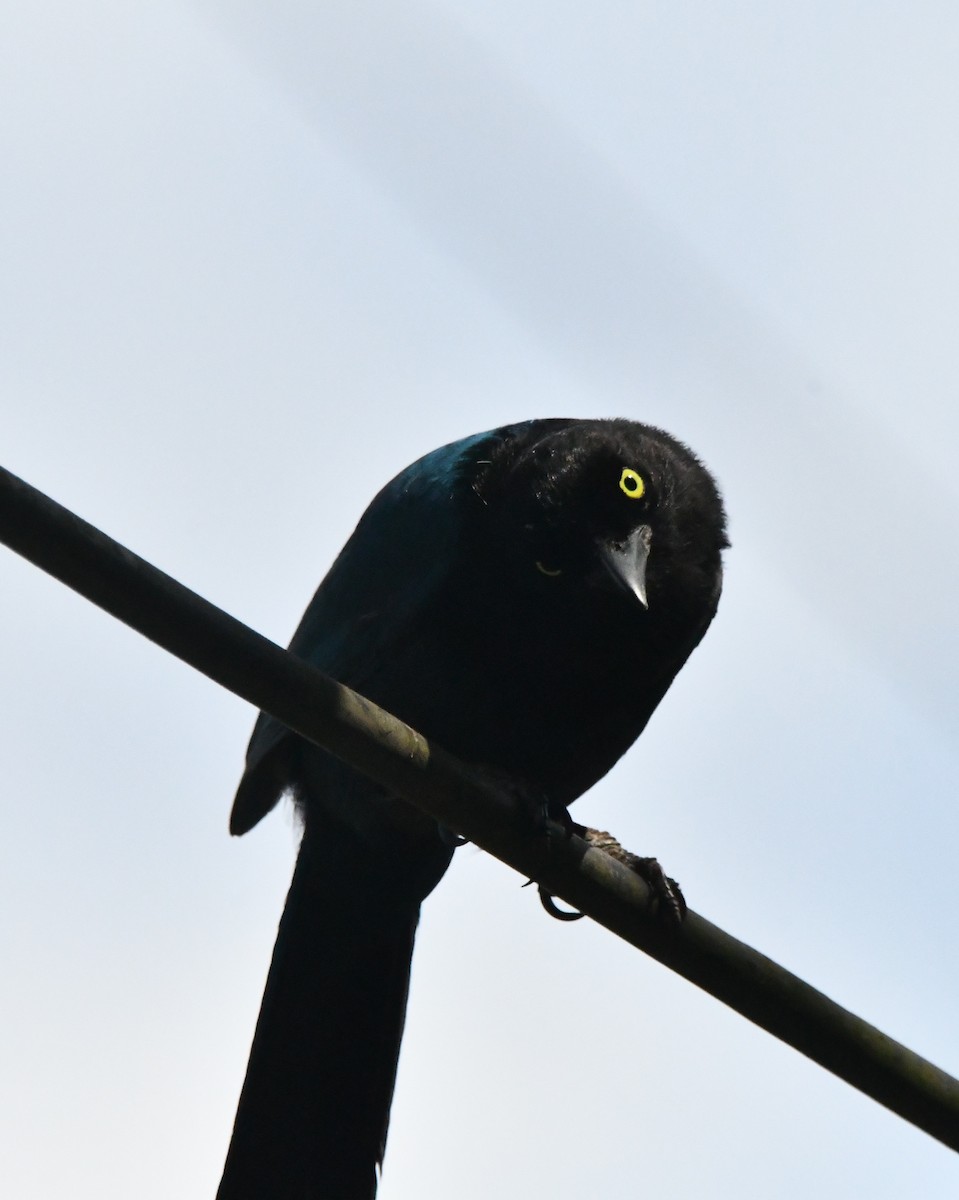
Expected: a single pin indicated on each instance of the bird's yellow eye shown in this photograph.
(550, 572)
(632, 483)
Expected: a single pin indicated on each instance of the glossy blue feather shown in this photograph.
(398, 556)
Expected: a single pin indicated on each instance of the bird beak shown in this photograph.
(626, 561)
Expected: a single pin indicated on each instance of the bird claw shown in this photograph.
(554, 910)
(666, 893)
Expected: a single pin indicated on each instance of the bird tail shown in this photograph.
(315, 1104)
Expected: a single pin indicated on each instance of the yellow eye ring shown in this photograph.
(547, 571)
(632, 484)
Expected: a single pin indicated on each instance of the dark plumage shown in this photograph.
(524, 597)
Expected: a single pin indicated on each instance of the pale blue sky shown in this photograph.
(255, 259)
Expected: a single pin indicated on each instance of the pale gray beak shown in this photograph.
(626, 561)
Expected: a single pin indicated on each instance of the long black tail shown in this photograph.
(315, 1104)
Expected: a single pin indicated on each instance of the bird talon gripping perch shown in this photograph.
(524, 598)
(666, 892)
(561, 914)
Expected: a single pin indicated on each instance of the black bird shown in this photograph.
(524, 597)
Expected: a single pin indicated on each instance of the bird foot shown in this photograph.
(544, 816)
(666, 892)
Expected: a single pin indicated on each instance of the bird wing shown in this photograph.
(404, 546)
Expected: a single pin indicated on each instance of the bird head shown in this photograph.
(613, 514)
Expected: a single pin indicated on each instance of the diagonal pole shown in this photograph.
(439, 786)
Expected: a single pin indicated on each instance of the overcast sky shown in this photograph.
(256, 258)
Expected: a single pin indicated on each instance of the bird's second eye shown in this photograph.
(632, 483)
(550, 572)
